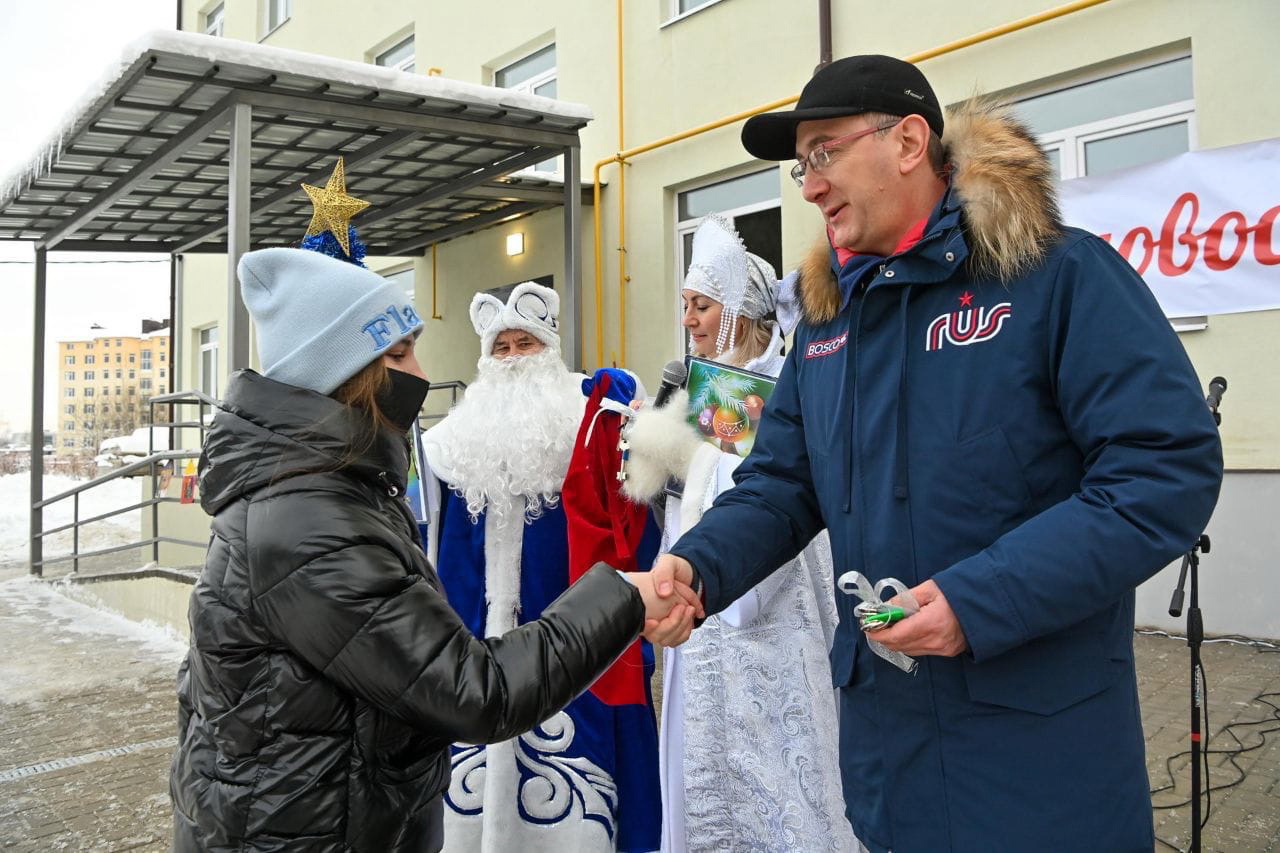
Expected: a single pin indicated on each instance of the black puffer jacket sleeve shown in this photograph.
(351, 608)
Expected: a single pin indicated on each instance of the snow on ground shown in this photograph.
(57, 645)
(15, 514)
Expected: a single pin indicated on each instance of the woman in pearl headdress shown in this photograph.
(748, 741)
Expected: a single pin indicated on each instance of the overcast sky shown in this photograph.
(51, 52)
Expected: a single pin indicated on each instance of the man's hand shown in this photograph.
(934, 630)
(668, 620)
(672, 579)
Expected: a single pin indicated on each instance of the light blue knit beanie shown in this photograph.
(320, 320)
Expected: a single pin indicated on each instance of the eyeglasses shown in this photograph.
(820, 156)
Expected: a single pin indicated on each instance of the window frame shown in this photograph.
(202, 347)
(267, 7)
(213, 20)
(527, 86)
(674, 15)
(406, 65)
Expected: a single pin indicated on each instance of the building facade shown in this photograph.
(105, 380)
(1106, 88)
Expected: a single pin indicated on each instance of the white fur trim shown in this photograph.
(662, 445)
(530, 307)
(503, 538)
(699, 485)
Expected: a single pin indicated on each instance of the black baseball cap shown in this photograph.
(847, 87)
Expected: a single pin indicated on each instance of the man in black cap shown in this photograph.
(991, 408)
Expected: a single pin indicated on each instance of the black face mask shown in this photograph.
(402, 399)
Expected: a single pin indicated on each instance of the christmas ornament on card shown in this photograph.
(726, 403)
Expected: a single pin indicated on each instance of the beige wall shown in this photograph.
(737, 54)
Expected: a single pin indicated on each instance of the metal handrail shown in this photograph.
(454, 386)
(123, 471)
(150, 464)
(179, 398)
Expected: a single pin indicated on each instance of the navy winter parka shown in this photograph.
(1002, 408)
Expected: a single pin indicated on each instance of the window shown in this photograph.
(146, 359)
(209, 361)
(106, 342)
(162, 373)
(119, 343)
(118, 390)
(117, 358)
(145, 384)
(399, 57)
(71, 359)
(71, 392)
(751, 202)
(275, 13)
(104, 375)
(536, 75)
(133, 358)
(1117, 122)
(683, 7)
(88, 392)
(213, 20)
(133, 374)
(88, 359)
(132, 391)
(70, 376)
(68, 410)
(69, 426)
(88, 409)
(162, 358)
(87, 441)
(68, 442)
(88, 375)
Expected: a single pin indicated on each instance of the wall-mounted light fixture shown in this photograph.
(515, 243)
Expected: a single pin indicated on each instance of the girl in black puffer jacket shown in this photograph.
(327, 674)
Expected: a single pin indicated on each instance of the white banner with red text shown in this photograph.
(1200, 228)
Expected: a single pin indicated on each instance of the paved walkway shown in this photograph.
(87, 715)
(87, 723)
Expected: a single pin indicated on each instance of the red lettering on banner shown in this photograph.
(1178, 235)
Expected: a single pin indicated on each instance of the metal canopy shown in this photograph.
(147, 166)
(198, 143)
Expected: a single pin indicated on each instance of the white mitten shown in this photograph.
(662, 445)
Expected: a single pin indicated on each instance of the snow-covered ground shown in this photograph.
(58, 645)
(15, 515)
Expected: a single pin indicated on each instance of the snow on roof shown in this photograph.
(227, 51)
(93, 334)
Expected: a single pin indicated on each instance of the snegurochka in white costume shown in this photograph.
(586, 779)
(748, 737)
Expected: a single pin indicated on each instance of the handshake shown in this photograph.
(670, 604)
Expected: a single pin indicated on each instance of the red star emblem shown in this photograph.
(966, 299)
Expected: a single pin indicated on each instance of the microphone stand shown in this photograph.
(1195, 638)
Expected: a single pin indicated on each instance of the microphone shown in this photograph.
(1217, 387)
(673, 376)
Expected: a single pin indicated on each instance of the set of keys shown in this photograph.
(875, 616)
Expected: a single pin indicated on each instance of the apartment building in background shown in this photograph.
(105, 379)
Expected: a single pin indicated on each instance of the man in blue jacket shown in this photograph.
(990, 407)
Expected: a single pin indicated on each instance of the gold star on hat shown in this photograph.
(333, 208)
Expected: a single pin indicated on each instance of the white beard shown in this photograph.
(509, 440)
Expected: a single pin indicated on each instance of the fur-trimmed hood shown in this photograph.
(1006, 188)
